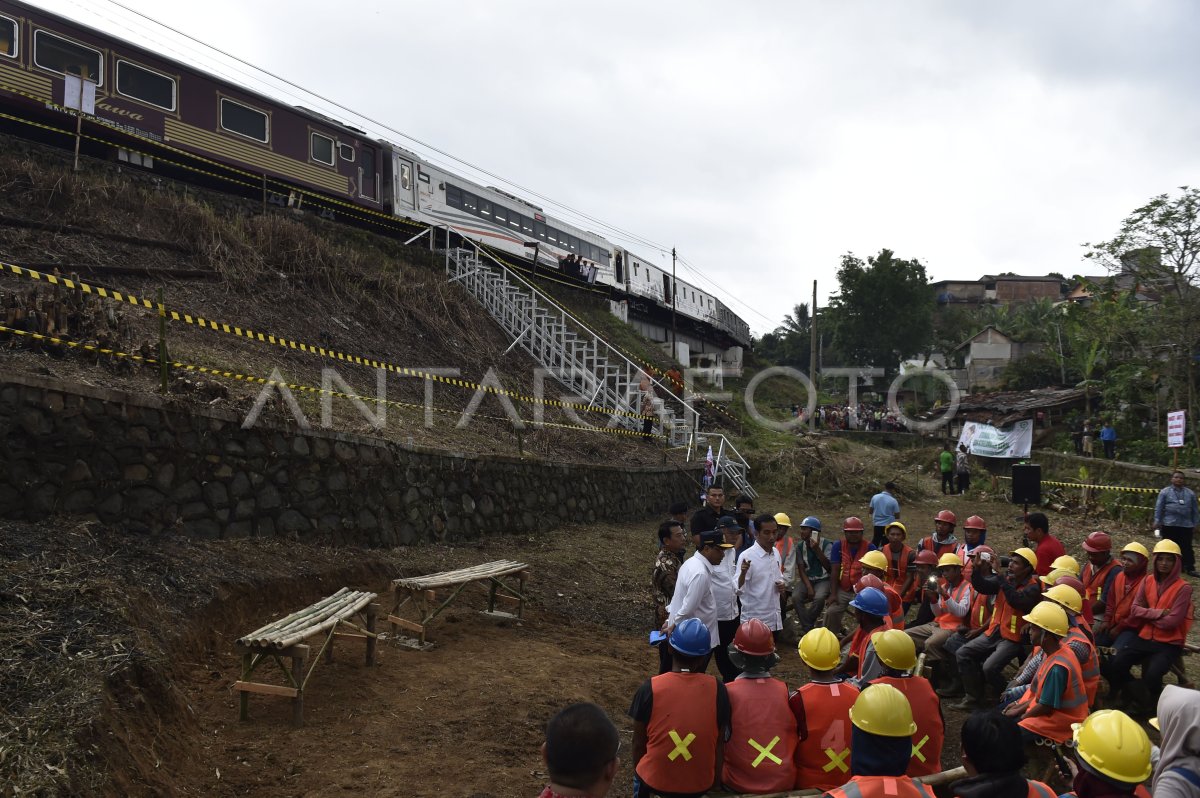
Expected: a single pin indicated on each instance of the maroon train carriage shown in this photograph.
(144, 100)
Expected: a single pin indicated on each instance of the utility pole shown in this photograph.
(674, 344)
(812, 350)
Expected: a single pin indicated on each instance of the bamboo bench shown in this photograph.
(285, 638)
(421, 591)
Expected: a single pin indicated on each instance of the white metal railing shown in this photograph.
(578, 363)
(727, 460)
(634, 373)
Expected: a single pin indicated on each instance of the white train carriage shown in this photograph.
(496, 218)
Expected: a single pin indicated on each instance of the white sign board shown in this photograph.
(985, 440)
(79, 94)
(1176, 425)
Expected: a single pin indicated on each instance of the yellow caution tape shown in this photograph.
(288, 343)
(1121, 488)
(212, 372)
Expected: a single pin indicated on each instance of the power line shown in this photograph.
(614, 231)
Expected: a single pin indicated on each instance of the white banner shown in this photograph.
(985, 440)
(1176, 424)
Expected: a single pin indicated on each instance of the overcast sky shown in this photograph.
(763, 140)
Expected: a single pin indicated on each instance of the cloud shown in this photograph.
(767, 139)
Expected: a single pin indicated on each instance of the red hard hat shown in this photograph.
(947, 516)
(926, 557)
(975, 522)
(754, 638)
(1098, 541)
(870, 580)
(1072, 581)
(853, 524)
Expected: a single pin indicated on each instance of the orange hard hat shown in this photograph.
(754, 639)
(870, 580)
(926, 557)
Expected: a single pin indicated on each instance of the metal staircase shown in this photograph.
(576, 356)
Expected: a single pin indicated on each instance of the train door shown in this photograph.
(404, 185)
(368, 181)
(667, 288)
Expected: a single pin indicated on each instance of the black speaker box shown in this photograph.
(1027, 484)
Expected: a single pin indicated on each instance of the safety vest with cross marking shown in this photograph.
(823, 755)
(927, 713)
(682, 734)
(759, 755)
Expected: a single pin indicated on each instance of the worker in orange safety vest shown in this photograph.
(822, 712)
(882, 731)
(760, 754)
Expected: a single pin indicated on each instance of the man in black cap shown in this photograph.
(724, 587)
(693, 596)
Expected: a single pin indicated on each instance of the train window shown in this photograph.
(573, 243)
(454, 196)
(485, 208)
(539, 230)
(469, 202)
(552, 234)
(424, 178)
(405, 176)
(145, 86)
(635, 270)
(501, 215)
(244, 120)
(527, 225)
(59, 55)
(346, 153)
(514, 219)
(8, 37)
(320, 146)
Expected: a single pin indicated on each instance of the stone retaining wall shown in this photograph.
(141, 463)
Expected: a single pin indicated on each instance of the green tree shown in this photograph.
(1157, 251)
(883, 313)
(789, 343)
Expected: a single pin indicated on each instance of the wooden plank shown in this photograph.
(406, 624)
(266, 689)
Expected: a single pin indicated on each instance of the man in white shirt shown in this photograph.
(724, 588)
(760, 576)
(693, 588)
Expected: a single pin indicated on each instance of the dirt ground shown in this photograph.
(463, 718)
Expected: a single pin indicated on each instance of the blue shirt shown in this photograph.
(884, 508)
(1108, 433)
(1176, 507)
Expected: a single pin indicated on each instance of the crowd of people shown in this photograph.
(937, 620)
(869, 418)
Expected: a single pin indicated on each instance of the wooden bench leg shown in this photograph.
(298, 661)
(492, 596)
(243, 696)
(372, 612)
(521, 589)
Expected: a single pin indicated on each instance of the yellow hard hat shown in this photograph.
(1053, 576)
(1049, 616)
(820, 650)
(1112, 744)
(895, 649)
(782, 519)
(1066, 597)
(949, 559)
(882, 709)
(1067, 563)
(1136, 548)
(875, 559)
(898, 525)
(1027, 555)
(1167, 547)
